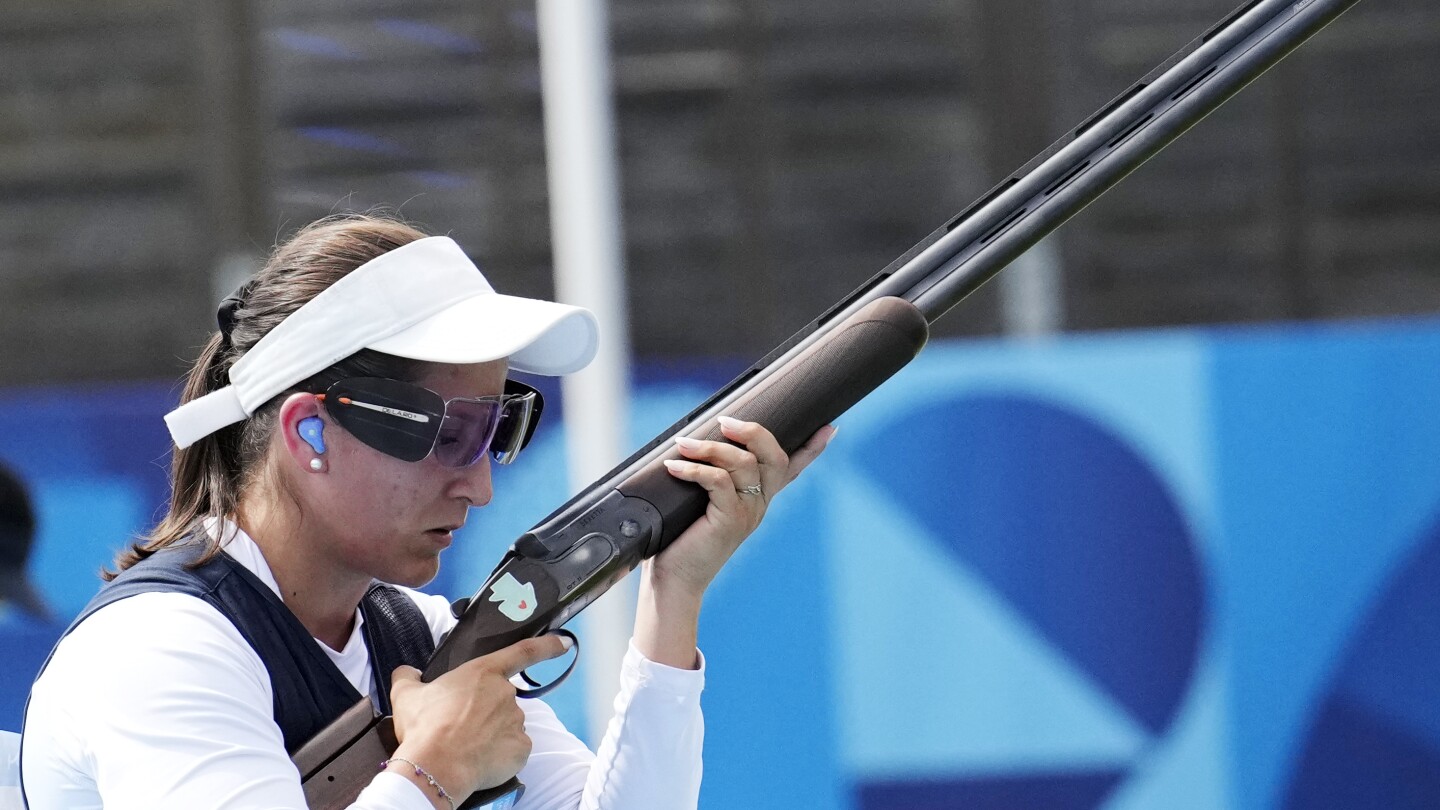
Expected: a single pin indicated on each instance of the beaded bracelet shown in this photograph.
(423, 774)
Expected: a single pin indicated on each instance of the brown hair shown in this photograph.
(208, 477)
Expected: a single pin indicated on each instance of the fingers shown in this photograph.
(524, 654)
(740, 467)
(402, 680)
(759, 460)
(715, 480)
(811, 450)
(756, 439)
(739, 480)
(466, 726)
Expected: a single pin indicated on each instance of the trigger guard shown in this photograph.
(540, 689)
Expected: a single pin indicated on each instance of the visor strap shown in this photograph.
(200, 417)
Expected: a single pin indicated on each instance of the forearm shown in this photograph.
(667, 620)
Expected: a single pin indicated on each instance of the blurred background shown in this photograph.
(1157, 527)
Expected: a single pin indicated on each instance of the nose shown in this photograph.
(473, 483)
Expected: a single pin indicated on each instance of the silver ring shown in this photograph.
(753, 489)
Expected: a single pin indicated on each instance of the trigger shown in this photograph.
(539, 689)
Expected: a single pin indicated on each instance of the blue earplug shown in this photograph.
(312, 431)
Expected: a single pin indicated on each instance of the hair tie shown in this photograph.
(225, 314)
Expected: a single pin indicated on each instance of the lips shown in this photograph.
(444, 533)
(442, 538)
(447, 528)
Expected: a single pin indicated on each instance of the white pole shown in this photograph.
(1031, 294)
(589, 271)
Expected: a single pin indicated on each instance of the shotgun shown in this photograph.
(633, 512)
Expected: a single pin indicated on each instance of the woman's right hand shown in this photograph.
(465, 727)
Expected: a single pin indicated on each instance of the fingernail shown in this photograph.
(687, 442)
(730, 422)
(674, 464)
(566, 642)
(833, 430)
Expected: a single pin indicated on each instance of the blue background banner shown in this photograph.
(1182, 569)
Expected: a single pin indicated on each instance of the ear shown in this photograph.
(295, 408)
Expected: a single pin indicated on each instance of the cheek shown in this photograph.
(384, 491)
(369, 490)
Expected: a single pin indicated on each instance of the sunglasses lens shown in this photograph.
(396, 418)
(521, 414)
(406, 421)
(466, 432)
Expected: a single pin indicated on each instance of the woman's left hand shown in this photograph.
(741, 481)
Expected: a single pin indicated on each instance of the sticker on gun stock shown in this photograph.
(516, 598)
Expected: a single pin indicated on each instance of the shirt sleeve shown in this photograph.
(157, 702)
(650, 755)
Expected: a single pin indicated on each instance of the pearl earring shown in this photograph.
(316, 464)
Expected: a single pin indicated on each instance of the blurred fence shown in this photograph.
(774, 155)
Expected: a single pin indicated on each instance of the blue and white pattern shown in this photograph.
(1186, 569)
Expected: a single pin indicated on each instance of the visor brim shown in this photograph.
(538, 337)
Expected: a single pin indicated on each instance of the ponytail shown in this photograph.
(203, 475)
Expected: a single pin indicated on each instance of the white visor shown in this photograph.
(426, 301)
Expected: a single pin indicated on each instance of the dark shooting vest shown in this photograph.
(309, 689)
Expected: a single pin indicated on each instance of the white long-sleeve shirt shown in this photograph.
(156, 702)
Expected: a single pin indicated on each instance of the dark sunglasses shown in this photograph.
(408, 422)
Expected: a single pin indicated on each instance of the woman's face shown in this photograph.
(389, 519)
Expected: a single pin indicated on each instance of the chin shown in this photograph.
(416, 575)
